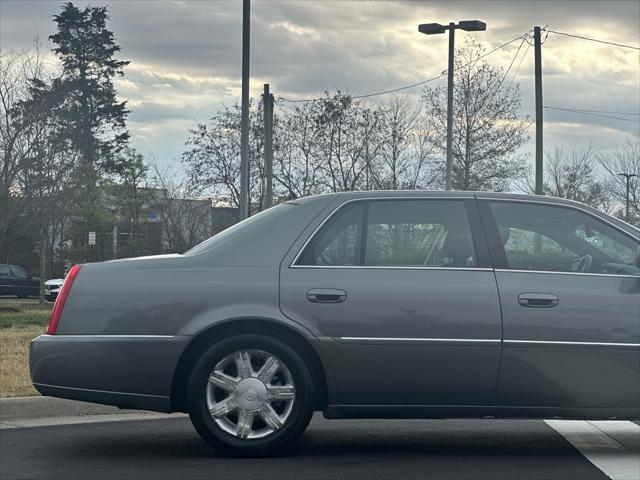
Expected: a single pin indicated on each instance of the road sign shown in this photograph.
(92, 238)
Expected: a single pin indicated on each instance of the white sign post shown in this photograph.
(92, 238)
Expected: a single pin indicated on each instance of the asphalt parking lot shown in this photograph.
(353, 449)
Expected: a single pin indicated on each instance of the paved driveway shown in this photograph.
(364, 449)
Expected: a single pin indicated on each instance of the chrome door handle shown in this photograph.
(326, 295)
(538, 300)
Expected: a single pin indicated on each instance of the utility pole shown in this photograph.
(433, 29)
(244, 135)
(628, 176)
(267, 106)
(539, 127)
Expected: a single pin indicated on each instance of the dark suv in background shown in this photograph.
(15, 280)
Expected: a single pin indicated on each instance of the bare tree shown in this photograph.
(573, 176)
(327, 145)
(297, 171)
(487, 129)
(404, 155)
(18, 71)
(346, 142)
(47, 165)
(624, 160)
(212, 158)
(184, 212)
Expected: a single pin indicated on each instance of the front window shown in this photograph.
(562, 239)
(19, 273)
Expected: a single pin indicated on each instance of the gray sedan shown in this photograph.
(372, 304)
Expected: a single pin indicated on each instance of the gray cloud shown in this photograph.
(186, 55)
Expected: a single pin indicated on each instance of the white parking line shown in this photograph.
(612, 446)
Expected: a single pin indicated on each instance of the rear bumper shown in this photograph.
(132, 371)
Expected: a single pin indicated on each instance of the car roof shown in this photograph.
(453, 194)
(374, 194)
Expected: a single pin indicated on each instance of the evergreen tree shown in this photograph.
(95, 119)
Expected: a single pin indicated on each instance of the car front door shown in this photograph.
(6, 280)
(402, 295)
(570, 292)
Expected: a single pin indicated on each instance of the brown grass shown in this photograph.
(14, 360)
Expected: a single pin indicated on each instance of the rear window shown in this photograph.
(238, 228)
(395, 233)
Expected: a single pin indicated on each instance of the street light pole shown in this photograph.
(449, 170)
(436, 28)
(267, 106)
(244, 133)
(628, 176)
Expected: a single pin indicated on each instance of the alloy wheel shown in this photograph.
(250, 394)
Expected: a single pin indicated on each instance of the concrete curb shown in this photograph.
(86, 419)
(23, 408)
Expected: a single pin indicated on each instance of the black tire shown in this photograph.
(228, 444)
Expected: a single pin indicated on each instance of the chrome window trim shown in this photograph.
(389, 267)
(558, 342)
(366, 199)
(571, 206)
(587, 274)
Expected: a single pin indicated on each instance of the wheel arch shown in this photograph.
(210, 335)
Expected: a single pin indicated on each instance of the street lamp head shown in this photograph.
(431, 28)
(472, 25)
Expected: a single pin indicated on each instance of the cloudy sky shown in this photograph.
(186, 56)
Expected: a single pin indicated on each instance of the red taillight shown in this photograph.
(56, 313)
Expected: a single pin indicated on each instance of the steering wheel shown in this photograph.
(583, 264)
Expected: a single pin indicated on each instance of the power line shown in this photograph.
(406, 87)
(582, 112)
(594, 40)
(606, 111)
(497, 89)
(515, 74)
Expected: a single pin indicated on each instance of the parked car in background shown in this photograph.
(15, 280)
(52, 288)
(372, 304)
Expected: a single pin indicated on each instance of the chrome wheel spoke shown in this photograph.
(243, 363)
(280, 392)
(270, 417)
(223, 407)
(237, 394)
(269, 369)
(223, 381)
(245, 423)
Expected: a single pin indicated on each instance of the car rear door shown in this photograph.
(570, 293)
(402, 295)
